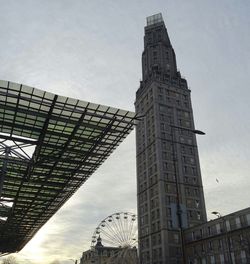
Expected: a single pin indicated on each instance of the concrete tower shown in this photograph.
(169, 184)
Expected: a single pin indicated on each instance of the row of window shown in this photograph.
(153, 36)
(143, 102)
(156, 255)
(225, 225)
(168, 92)
(174, 102)
(233, 258)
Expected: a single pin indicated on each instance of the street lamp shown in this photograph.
(217, 214)
(179, 210)
(195, 131)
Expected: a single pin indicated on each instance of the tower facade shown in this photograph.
(169, 184)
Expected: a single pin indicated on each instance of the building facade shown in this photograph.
(169, 184)
(223, 240)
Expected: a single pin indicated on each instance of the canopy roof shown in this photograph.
(69, 139)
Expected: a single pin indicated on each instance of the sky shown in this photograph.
(91, 50)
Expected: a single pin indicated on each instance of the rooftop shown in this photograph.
(154, 19)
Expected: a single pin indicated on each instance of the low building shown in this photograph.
(107, 255)
(223, 240)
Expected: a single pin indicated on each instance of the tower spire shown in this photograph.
(99, 242)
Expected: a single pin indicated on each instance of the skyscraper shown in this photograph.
(169, 184)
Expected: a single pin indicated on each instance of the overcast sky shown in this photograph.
(91, 50)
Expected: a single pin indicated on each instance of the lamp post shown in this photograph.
(178, 209)
(195, 131)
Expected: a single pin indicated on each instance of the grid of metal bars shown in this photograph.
(71, 139)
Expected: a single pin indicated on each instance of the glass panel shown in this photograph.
(112, 110)
(131, 114)
(23, 102)
(34, 105)
(45, 108)
(49, 95)
(76, 115)
(27, 89)
(71, 101)
(38, 93)
(14, 86)
(66, 113)
(12, 100)
(82, 104)
(102, 108)
(93, 106)
(3, 83)
(122, 112)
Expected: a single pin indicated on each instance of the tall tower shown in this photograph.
(169, 184)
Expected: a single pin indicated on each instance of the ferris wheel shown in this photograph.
(117, 230)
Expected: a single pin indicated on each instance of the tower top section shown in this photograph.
(158, 57)
(154, 19)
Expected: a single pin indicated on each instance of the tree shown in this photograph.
(9, 260)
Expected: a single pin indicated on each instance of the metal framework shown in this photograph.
(69, 139)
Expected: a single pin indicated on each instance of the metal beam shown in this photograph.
(19, 139)
(4, 168)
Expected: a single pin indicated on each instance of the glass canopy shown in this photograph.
(49, 146)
